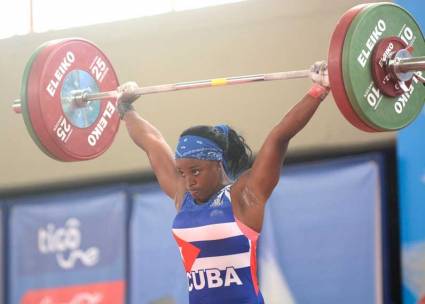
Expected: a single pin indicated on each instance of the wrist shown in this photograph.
(124, 108)
(318, 91)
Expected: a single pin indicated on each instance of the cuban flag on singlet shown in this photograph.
(218, 252)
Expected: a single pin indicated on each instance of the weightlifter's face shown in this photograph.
(202, 177)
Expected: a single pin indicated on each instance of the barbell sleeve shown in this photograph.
(16, 106)
(403, 65)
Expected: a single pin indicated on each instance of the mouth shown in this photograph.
(193, 191)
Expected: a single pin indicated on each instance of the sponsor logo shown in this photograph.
(102, 124)
(375, 35)
(61, 70)
(64, 243)
(104, 292)
(80, 298)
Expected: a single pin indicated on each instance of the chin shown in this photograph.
(200, 199)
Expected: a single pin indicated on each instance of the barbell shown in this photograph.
(69, 90)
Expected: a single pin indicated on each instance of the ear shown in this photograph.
(223, 172)
(218, 165)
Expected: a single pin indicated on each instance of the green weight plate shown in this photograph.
(335, 69)
(372, 24)
(24, 98)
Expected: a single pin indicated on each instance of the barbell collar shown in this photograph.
(403, 65)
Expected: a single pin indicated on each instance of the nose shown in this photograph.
(190, 181)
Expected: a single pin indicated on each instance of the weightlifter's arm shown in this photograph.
(266, 168)
(147, 137)
(257, 184)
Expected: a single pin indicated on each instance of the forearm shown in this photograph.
(160, 155)
(297, 118)
(266, 170)
(142, 132)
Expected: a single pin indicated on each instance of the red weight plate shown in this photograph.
(335, 69)
(381, 77)
(69, 132)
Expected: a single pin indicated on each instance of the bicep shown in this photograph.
(266, 169)
(252, 189)
(163, 165)
(160, 155)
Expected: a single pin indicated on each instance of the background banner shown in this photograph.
(157, 273)
(68, 247)
(322, 235)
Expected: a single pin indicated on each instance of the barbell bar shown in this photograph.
(83, 97)
(403, 65)
(376, 57)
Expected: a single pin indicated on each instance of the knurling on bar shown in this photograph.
(85, 97)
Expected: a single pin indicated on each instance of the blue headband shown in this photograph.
(192, 146)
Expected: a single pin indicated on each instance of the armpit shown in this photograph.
(249, 199)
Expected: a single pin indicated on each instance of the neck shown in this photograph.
(215, 191)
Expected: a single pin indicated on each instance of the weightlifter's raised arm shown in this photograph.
(148, 137)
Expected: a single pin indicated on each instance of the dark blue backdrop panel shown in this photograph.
(157, 272)
(323, 230)
(66, 240)
(2, 249)
(411, 182)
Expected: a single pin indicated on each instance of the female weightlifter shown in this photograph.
(220, 201)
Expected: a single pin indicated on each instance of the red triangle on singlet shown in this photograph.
(188, 252)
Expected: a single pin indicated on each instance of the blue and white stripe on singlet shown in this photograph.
(218, 252)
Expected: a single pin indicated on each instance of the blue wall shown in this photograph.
(324, 227)
(411, 173)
